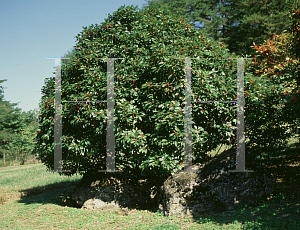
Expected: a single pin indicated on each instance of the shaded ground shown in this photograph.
(286, 168)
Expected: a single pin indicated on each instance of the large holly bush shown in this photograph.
(149, 95)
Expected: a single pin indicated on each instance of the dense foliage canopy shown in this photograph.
(149, 94)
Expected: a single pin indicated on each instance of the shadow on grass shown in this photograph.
(56, 193)
(282, 209)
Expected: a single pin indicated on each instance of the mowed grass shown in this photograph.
(31, 198)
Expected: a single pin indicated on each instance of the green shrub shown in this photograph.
(149, 95)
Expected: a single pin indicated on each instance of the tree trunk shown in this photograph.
(22, 158)
(4, 153)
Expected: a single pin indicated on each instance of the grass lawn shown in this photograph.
(31, 198)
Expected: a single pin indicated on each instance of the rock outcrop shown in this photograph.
(213, 189)
(103, 191)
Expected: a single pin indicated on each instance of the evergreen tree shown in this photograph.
(235, 23)
(9, 122)
(1, 90)
(198, 13)
(255, 21)
(25, 140)
(17, 130)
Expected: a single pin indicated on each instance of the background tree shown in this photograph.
(256, 21)
(295, 41)
(197, 12)
(1, 90)
(25, 141)
(235, 23)
(9, 124)
(17, 130)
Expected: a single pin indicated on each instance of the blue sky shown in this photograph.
(32, 30)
